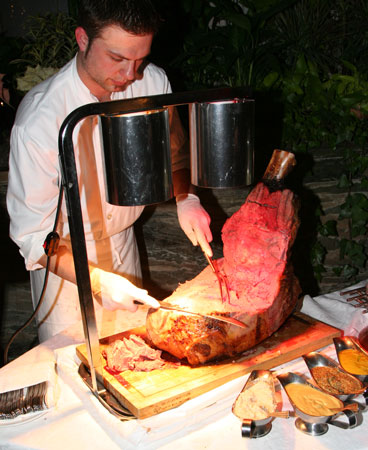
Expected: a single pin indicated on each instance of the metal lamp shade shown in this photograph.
(137, 157)
(222, 143)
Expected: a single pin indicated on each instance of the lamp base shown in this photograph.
(105, 397)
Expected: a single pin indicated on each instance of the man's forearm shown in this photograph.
(61, 264)
(181, 182)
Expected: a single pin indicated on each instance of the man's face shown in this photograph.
(113, 59)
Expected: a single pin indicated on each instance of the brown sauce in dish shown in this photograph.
(334, 381)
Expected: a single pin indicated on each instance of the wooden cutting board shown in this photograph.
(148, 393)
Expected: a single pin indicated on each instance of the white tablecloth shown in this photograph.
(79, 421)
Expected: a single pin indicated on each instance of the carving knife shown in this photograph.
(169, 306)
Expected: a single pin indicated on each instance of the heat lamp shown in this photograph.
(136, 151)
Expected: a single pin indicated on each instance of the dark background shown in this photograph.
(13, 13)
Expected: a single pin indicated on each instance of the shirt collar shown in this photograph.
(79, 85)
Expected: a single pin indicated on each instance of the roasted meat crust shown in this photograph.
(200, 340)
(263, 288)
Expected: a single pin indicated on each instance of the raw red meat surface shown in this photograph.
(262, 286)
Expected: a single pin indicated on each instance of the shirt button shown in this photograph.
(109, 216)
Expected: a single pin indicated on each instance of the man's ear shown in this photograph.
(81, 38)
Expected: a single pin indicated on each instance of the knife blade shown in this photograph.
(169, 306)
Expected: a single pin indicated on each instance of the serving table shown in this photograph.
(77, 420)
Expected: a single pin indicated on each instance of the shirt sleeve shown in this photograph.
(31, 206)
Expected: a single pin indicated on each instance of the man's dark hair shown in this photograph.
(135, 16)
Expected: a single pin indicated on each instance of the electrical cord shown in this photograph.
(50, 246)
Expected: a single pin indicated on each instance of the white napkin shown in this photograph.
(153, 432)
(335, 310)
(38, 366)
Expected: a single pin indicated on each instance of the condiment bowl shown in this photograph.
(255, 428)
(350, 385)
(363, 338)
(349, 343)
(308, 423)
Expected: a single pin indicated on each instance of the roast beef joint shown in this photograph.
(263, 290)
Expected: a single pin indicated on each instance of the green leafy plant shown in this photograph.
(324, 97)
(309, 58)
(24, 62)
(50, 43)
(331, 111)
(227, 42)
(50, 40)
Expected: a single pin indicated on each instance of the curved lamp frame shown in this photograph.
(70, 185)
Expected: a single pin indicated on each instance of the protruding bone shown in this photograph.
(280, 165)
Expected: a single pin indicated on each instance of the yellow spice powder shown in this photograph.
(354, 361)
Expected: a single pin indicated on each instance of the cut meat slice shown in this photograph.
(132, 354)
(263, 289)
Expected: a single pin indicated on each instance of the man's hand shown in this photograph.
(194, 221)
(116, 292)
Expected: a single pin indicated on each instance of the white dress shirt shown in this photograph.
(34, 178)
